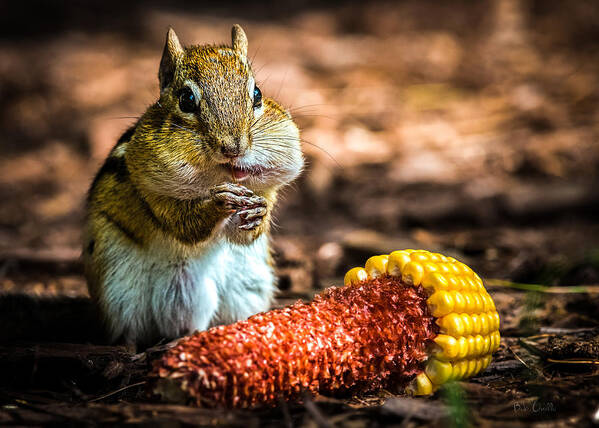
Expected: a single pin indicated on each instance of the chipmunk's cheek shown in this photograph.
(186, 171)
(294, 170)
(293, 165)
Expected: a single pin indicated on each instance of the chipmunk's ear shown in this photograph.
(171, 55)
(239, 40)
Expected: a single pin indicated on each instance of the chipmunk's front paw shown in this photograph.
(252, 217)
(248, 208)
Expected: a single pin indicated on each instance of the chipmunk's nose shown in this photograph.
(233, 146)
(229, 151)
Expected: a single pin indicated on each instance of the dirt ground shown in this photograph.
(468, 128)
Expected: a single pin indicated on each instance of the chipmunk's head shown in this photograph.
(214, 125)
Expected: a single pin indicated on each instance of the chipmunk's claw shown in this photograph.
(251, 218)
(248, 208)
(233, 197)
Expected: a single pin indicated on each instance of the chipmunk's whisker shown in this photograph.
(269, 123)
(283, 139)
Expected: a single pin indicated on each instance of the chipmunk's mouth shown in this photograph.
(242, 173)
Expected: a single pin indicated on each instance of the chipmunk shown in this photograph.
(177, 226)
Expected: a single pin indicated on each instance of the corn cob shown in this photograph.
(464, 311)
(410, 318)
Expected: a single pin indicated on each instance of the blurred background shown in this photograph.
(465, 127)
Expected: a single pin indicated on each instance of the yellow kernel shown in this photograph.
(493, 308)
(420, 256)
(479, 345)
(486, 361)
(448, 345)
(376, 266)
(458, 301)
(451, 324)
(412, 273)
(462, 348)
(454, 373)
(471, 346)
(490, 322)
(397, 261)
(469, 307)
(440, 303)
(496, 340)
(478, 303)
(437, 371)
(496, 321)
(475, 323)
(491, 318)
(434, 281)
(484, 324)
(477, 279)
(355, 275)
(455, 370)
(486, 305)
(420, 385)
(430, 267)
(455, 269)
(463, 283)
(444, 268)
(454, 284)
(467, 322)
(479, 365)
(434, 257)
(463, 365)
(466, 269)
(491, 303)
(487, 344)
(459, 369)
(471, 368)
(472, 285)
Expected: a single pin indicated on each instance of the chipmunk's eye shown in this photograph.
(187, 101)
(257, 97)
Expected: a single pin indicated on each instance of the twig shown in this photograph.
(117, 391)
(518, 357)
(531, 348)
(558, 330)
(538, 336)
(552, 360)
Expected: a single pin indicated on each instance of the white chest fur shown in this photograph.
(154, 292)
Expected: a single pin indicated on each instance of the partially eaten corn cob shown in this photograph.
(410, 318)
(464, 311)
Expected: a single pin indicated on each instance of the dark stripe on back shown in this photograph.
(130, 235)
(148, 210)
(113, 165)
